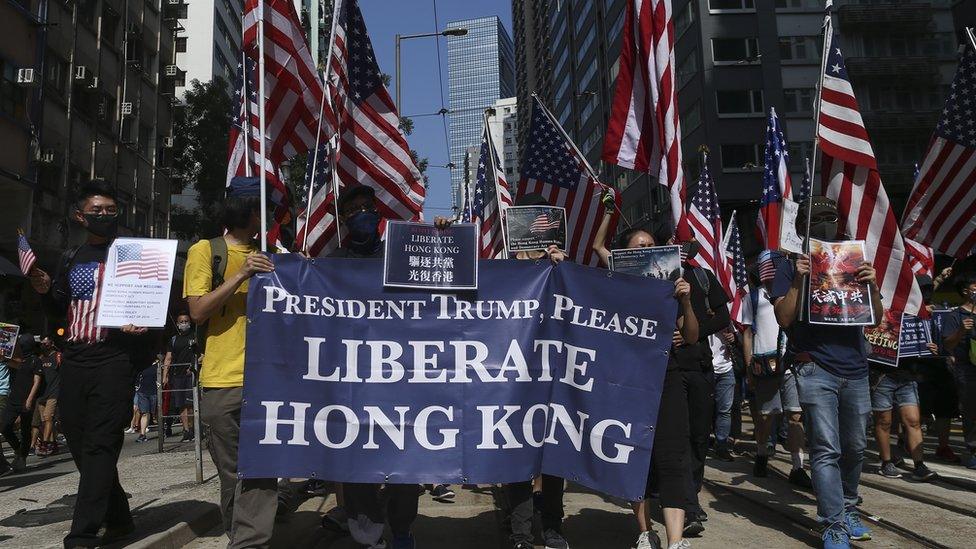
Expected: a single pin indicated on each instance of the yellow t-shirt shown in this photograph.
(223, 358)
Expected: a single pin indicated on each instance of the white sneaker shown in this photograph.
(129, 431)
(648, 540)
(683, 544)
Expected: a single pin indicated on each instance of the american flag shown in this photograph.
(491, 197)
(776, 183)
(371, 149)
(705, 221)
(141, 262)
(851, 173)
(920, 256)
(806, 186)
(739, 307)
(544, 222)
(553, 168)
(25, 254)
(768, 261)
(643, 132)
(941, 210)
(84, 281)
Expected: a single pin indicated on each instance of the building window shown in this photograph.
(741, 157)
(691, 118)
(86, 12)
(585, 47)
(798, 100)
(687, 69)
(585, 9)
(739, 102)
(180, 44)
(110, 25)
(728, 5)
(800, 151)
(735, 50)
(800, 48)
(12, 98)
(145, 139)
(685, 19)
(584, 82)
(796, 4)
(57, 74)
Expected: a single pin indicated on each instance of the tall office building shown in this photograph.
(734, 60)
(502, 124)
(481, 70)
(209, 42)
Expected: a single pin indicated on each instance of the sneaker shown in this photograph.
(693, 528)
(761, 468)
(336, 520)
(835, 537)
(523, 545)
(898, 461)
(554, 539)
(648, 540)
(799, 477)
(442, 493)
(889, 470)
(855, 528)
(403, 542)
(923, 473)
(141, 438)
(683, 544)
(722, 453)
(129, 431)
(187, 436)
(114, 534)
(702, 515)
(946, 454)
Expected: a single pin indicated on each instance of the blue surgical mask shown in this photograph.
(364, 235)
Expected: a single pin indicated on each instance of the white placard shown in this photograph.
(136, 286)
(789, 241)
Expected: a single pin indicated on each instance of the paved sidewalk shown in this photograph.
(163, 493)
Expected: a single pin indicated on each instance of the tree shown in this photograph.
(201, 128)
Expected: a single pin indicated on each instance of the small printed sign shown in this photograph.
(531, 228)
(789, 240)
(660, 262)
(136, 286)
(883, 340)
(835, 295)
(916, 334)
(8, 339)
(421, 256)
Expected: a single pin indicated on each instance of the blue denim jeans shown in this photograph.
(836, 412)
(724, 391)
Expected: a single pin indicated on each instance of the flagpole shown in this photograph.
(247, 115)
(728, 233)
(828, 31)
(972, 38)
(263, 122)
(586, 163)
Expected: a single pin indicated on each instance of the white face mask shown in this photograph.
(183, 326)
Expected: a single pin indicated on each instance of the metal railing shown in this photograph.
(193, 370)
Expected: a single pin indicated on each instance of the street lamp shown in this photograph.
(399, 37)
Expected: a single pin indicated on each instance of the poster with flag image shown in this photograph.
(8, 339)
(835, 295)
(531, 228)
(884, 340)
(136, 285)
(660, 262)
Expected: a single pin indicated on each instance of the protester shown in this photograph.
(146, 395)
(215, 286)
(364, 505)
(181, 356)
(5, 468)
(832, 379)
(25, 385)
(96, 372)
(773, 384)
(722, 346)
(937, 392)
(959, 339)
(670, 475)
(47, 402)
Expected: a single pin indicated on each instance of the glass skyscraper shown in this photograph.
(481, 68)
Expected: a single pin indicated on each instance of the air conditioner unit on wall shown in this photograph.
(48, 156)
(168, 142)
(27, 76)
(93, 83)
(82, 73)
(172, 70)
(126, 109)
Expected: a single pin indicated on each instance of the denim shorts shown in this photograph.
(145, 403)
(887, 391)
(777, 394)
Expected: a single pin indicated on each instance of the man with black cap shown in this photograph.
(215, 286)
(95, 398)
(364, 506)
(832, 377)
(24, 389)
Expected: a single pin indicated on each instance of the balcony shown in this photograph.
(885, 17)
(920, 68)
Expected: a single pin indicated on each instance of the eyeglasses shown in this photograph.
(110, 211)
(824, 218)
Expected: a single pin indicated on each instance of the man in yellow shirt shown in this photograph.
(217, 295)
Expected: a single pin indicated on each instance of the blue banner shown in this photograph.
(542, 369)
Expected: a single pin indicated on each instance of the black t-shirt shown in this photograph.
(147, 380)
(182, 347)
(52, 376)
(72, 291)
(951, 325)
(712, 314)
(22, 379)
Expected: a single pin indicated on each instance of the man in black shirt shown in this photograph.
(47, 402)
(24, 386)
(96, 372)
(181, 351)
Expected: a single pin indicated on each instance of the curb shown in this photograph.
(193, 524)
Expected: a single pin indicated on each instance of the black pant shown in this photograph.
(701, 404)
(670, 474)
(96, 405)
(21, 444)
(400, 509)
(520, 507)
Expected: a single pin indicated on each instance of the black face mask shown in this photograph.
(364, 235)
(105, 226)
(823, 231)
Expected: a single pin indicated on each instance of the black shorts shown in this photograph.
(181, 397)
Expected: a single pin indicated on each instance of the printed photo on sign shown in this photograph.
(660, 262)
(531, 228)
(136, 286)
(835, 295)
(883, 339)
(8, 339)
(916, 334)
(421, 256)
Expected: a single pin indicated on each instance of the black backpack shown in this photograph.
(218, 268)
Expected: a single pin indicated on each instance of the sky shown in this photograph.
(420, 84)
